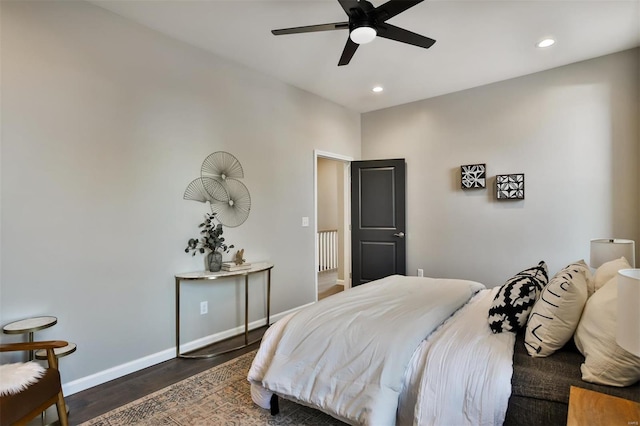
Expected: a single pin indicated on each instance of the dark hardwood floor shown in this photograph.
(98, 400)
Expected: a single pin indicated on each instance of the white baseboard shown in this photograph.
(340, 282)
(118, 371)
(112, 373)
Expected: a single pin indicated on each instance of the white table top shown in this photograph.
(59, 352)
(206, 275)
(29, 325)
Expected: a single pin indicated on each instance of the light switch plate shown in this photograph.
(305, 221)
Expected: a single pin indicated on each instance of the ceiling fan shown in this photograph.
(365, 23)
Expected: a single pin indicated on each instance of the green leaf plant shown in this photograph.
(210, 237)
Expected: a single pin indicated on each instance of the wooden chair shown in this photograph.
(20, 408)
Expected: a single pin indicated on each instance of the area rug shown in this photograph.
(218, 396)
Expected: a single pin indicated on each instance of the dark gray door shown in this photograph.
(377, 219)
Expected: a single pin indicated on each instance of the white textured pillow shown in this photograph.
(605, 362)
(608, 270)
(556, 314)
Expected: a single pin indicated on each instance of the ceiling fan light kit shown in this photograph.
(363, 35)
(365, 24)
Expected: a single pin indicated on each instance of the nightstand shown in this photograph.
(591, 408)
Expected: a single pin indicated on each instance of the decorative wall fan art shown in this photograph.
(219, 184)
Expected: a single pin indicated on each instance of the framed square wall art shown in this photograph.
(473, 176)
(510, 187)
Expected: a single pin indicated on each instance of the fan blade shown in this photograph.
(349, 49)
(394, 7)
(312, 28)
(392, 32)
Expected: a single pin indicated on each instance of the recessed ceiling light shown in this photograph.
(546, 42)
(378, 89)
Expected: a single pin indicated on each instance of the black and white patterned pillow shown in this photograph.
(513, 303)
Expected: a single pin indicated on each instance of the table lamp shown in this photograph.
(605, 249)
(628, 329)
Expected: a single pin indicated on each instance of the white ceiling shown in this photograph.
(478, 41)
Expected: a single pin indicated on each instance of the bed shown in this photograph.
(540, 386)
(354, 357)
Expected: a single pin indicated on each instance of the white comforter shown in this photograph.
(347, 354)
(461, 374)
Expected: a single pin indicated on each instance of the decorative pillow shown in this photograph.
(556, 314)
(605, 362)
(608, 270)
(513, 302)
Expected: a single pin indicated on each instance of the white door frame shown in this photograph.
(346, 160)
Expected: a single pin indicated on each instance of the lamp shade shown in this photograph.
(605, 249)
(628, 329)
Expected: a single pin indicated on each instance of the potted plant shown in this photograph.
(210, 239)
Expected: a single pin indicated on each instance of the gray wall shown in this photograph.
(329, 171)
(104, 124)
(573, 131)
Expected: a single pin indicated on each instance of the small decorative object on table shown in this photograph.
(238, 263)
(232, 267)
(211, 239)
(239, 257)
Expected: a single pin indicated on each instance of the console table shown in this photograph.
(208, 276)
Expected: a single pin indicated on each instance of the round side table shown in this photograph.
(30, 326)
(50, 415)
(59, 352)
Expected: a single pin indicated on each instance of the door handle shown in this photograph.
(399, 235)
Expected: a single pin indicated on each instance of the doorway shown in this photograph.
(378, 219)
(333, 211)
